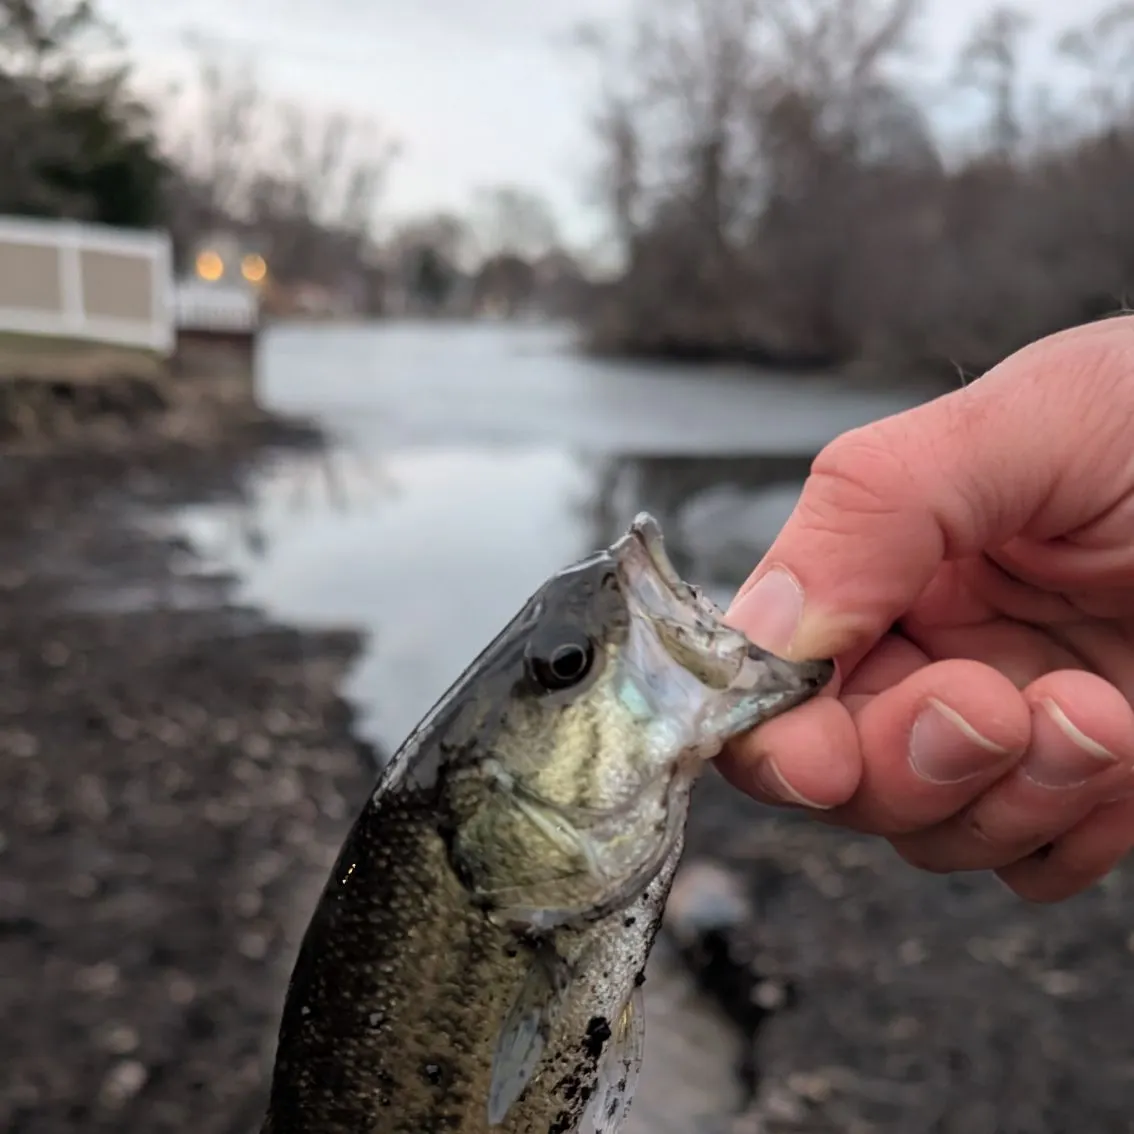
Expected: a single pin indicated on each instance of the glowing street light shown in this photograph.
(253, 268)
(210, 267)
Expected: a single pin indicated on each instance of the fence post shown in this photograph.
(71, 278)
(164, 309)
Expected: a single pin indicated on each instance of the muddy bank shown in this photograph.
(174, 782)
(872, 998)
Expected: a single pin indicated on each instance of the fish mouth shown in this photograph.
(752, 684)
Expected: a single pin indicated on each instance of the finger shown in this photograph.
(1025, 653)
(1076, 860)
(1047, 594)
(1081, 753)
(808, 757)
(1021, 653)
(982, 582)
(931, 745)
(1101, 554)
(890, 662)
(1105, 649)
(981, 589)
(887, 504)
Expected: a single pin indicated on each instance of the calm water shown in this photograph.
(475, 460)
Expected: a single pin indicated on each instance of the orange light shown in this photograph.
(210, 266)
(253, 268)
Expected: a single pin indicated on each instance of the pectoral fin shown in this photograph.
(618, 1071)
(525, 1031)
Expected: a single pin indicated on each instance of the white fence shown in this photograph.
(216, 307)
(68, 280)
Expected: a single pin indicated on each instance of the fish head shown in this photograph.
(568, 786)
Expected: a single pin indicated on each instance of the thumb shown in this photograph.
(887, 504)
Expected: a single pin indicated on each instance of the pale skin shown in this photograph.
(970, 563)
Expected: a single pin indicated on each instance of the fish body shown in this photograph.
(474, 965)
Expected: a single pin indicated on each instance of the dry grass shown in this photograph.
(53, 390)
(74, 360)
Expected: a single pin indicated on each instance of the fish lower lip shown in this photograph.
(815, 673)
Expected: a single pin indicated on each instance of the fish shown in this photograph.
(475, 962)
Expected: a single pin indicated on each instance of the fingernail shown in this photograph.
(946, 749)
(769, 613)
(1052, 762)
(772, 781)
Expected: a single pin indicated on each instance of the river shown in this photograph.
(474, 459)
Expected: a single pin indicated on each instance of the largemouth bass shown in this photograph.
(474, 965)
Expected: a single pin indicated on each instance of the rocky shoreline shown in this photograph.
(174, 782)
(872, 998)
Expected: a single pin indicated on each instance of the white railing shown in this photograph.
(204, 306)
(84, 281)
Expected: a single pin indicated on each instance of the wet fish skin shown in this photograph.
(475, 961)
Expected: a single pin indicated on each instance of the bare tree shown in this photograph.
(990, 62)
(333, 166)
(838, 50)
(47, 39)
(728, 125)
(513, 220)
(303, 183)
(1103, 49)
(447, 233)
(220, 148)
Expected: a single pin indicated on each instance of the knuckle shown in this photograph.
(1043, 886)
(984, 830)
(1100, 360)
(1096, 365)
(856, 475)
(920, 855)
(896, 470)
(888, 819)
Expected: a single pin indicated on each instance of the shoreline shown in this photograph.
(174, 785)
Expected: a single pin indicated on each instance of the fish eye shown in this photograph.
(560, 658)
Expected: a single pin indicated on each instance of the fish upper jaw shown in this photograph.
(688, 668)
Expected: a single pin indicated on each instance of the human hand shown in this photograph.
(970, 563)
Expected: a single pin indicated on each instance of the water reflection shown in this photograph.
(430, 562)
(719, 513)
(429, 551)
(335, 481)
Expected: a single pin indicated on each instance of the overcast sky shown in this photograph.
(478, 91)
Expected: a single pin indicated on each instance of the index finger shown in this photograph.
(887, 504)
